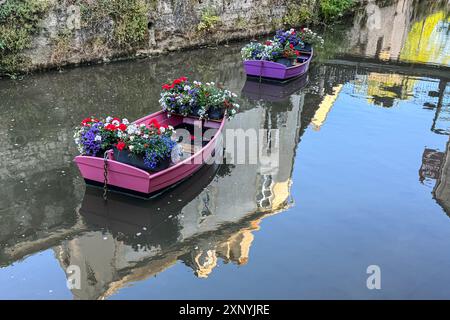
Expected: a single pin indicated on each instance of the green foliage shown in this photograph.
(298, 14)
(331, 10)
(62, 45)
(129, 19)
(19, 20)
(208, 21)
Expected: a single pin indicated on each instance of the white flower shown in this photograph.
(131, 138)
(77, 141)
(131, 148)
(142, 125)
(162, 129)
(125, 121)
(108, 119)
(145, 136)
(170, 127)
(132, 129)
(119, 133)
(116, 122)
(98, 138)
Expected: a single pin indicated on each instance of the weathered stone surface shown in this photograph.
(172, 25)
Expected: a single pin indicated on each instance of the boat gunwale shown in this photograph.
(284, 67)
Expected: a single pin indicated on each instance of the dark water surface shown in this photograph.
(363, 178)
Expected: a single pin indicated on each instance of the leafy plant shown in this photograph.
(208, 21)
(19, 20)
(298, 14)
(333, 9)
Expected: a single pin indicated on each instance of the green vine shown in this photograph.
(129, 18)
(19, 21)
(208, 21)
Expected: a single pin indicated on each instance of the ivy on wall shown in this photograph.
(19, 21)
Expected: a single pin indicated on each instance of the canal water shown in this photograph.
(364, 177)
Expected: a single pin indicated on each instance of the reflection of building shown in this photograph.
(427, 41)
(384, 38)
(431, 163)
(385, 89)
(441, 191)
(402, 31)
(325, 107)
(216, 224)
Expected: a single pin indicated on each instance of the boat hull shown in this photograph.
(128, 179)
(278, 71)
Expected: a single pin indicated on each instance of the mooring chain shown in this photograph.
(105, 175)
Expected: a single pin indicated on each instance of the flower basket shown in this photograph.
(285, 61)
(192, 99)
(307, 47)
(195, 111)
(216, 113)
(134, 160)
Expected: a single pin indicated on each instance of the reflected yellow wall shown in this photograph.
(382, 85)
(427, 41)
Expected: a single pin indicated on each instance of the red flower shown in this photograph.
(155, 123)
(110, 127)
(297, 52)
(176, 81)
(120, 145)
(183, 78)
(291, 46)
(166, 86)
(86, 122)
(123, 127)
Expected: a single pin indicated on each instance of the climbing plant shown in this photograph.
(208, 21)
(331, 10)
(19, 21)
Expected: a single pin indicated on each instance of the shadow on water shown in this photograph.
(213, 217)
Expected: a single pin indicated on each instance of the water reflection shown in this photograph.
(404, 30)
(213, 218)
(271, 90)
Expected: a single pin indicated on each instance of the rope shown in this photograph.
(105, 175)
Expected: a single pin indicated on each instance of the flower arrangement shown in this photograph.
(307, 36)
(93, 137)
(144, 146)
(206, 101)
(284, 45)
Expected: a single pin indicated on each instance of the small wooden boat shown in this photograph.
(278, 71)
(123, 178)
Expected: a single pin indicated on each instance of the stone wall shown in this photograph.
(80, 31)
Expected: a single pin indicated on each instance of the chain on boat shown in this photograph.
(105, 176)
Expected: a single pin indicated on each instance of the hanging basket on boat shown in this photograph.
(137, 161)
(285, 61)
(216, 113)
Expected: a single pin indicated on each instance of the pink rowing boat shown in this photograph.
(277, 71)
(124, 178)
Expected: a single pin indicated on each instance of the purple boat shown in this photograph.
(278, 71)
